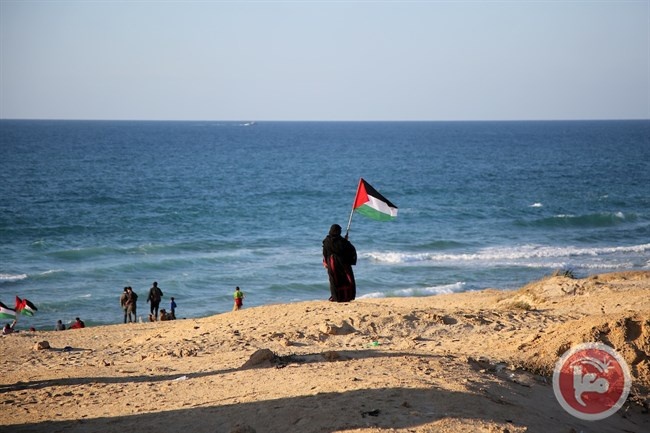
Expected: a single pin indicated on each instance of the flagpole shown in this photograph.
(349, 222)
(17, 310)
(352, 211)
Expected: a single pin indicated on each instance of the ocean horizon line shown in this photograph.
(246, 120)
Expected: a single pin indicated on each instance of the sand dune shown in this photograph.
(476, 362)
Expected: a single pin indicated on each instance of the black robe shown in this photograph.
(339, 255)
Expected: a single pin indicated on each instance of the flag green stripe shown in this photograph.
(381, 206)
(373, 213)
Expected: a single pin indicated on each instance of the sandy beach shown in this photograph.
(470, 362)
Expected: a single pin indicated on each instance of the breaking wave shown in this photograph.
(526, 255)
(601, 219)
(419, 291)
(12, 277)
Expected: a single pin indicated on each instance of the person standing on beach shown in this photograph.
(131, 304)
(172, 308)
(339, 255)
(239, 299)
(155, 295)
(123, 299)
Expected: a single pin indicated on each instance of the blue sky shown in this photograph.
(325, 60)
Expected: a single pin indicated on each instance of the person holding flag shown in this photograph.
(9, 328)
(23, 306)
(8, 313)
(339, 255)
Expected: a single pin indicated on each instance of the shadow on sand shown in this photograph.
(501, 402)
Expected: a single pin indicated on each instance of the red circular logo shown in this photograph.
(591, 381)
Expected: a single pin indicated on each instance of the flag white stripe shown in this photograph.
(381, 206)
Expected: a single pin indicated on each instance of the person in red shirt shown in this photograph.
(78, 324)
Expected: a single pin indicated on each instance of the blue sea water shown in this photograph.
(88, 207)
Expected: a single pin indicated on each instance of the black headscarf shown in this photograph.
(335, 230)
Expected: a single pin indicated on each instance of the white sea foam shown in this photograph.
(372, 295)
(395, 257)
(420, 291)
(12, 277)
(506, 255)
(52, 271)
(536, 205)
(619, 215)
(607, 266)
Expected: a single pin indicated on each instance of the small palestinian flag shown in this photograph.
(25, 307)
(6, 312)
(368, 202)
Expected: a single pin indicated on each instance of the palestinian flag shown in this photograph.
(6, 312)
(25, 307)
(371, 204)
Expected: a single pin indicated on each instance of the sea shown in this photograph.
(89, 207)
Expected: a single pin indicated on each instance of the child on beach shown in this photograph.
(239, 299)
(172, 308)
